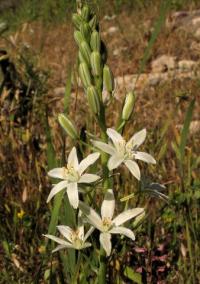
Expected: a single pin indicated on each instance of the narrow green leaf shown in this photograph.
(165, 6)
(68, 91)
(132, 275)
(185, 130)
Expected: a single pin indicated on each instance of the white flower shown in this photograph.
(106, 224)
(75, 238)
(125, 152)
(71, 175)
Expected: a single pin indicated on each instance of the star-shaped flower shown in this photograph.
(72, 175)
(75, 238)
(106, 224)
(125, 152)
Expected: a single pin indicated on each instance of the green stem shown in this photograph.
(77, 268)
(102, 268)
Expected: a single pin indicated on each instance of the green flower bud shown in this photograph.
(95, 60)
(128, 106)
(86, 31)
(80, 57)
(108, 79)
(78, 37)
(93, 99)
(85, 13)
(68, 126)
(85, 74)
(95, 41)
(86, 51)
(77, 20)
(93, 22)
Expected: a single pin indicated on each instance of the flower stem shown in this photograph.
(102, 268)
(77, 268)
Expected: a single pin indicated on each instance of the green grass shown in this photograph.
(170, 229)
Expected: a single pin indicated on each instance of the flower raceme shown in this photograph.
(106, 224)
(72, 175)
(75, 238)
(125, 152)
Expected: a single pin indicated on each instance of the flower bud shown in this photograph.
(78, 37)
(85, 31)
(128, 106)
(85, 13)
(95, 41)
(95, 60)
(108, 79)
(93, 22)
(86, 51)
(68, 126)
(77, 20)
(85, 74)
(80, 57)
(93, 99)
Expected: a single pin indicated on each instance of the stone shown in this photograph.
(163, 63)
(59, 91)
(186, 65)
(197, 33)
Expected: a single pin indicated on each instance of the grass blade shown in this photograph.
(185, 130)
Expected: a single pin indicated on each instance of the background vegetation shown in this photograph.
(38, 38)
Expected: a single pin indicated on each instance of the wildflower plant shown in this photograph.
(99, 207)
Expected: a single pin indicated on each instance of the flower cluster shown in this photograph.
(97, 78)
(73, 175)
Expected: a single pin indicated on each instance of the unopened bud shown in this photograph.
(68, 126)
(95, 41)
(95, 60)
(108, 79)
(93, 99)
(93, 22)
(77, 20)
(78, 37)
(85, 13)
(80, 57)
(86, 31)
(128, 106)
(86, 51)
(85, 74)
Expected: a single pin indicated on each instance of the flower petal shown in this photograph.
(57, 240)
(62, 247)
(104, 147)
(127, 215)
(57, 188)
(86, 245)
(93, 218)
(57, 173)
(114, 162)
(89, 160)
(88, 178)
(105, 240)
(72, 192)
(81, 232)
(108, 205)
(137, 139)
(133, 168)
(115, 137)
(144, 157)
(123, 231)
(89, 232)
(72, 159)
(66, 232)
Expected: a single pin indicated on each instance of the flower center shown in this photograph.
(76, 241)
(121, 148)
(106, 223)
(130, 151)
(70, 174)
